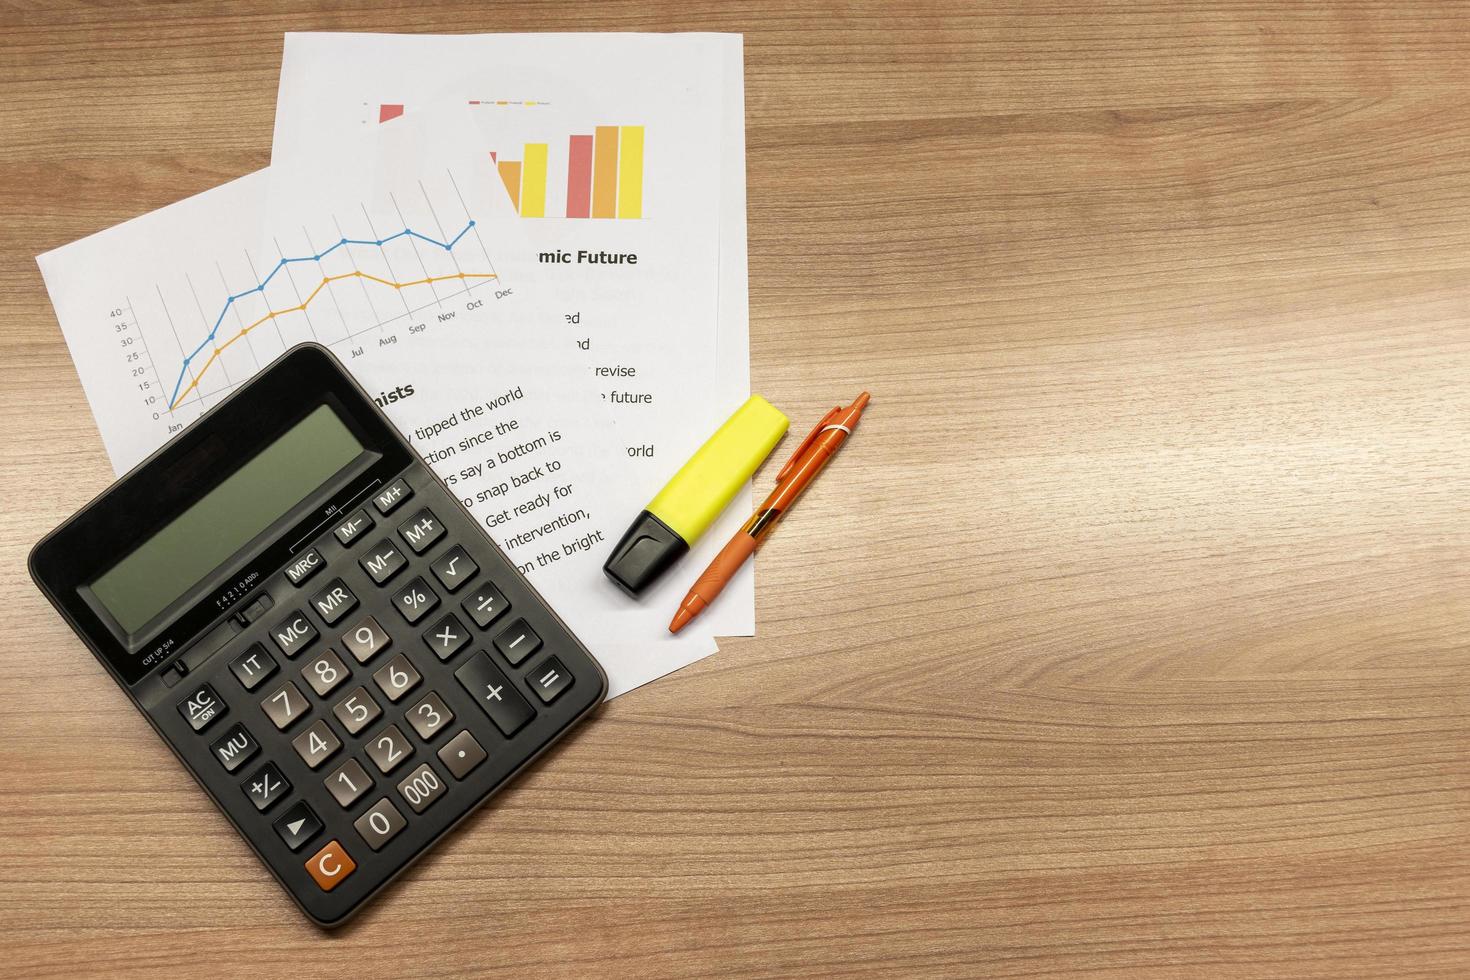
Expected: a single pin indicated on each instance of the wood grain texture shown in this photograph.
(1130, 637)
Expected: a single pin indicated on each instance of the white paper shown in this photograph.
(677, 320)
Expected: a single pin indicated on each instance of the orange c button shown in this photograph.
(330, 865)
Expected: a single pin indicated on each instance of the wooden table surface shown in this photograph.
(1130, 637)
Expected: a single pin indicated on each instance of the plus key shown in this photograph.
(494, 693)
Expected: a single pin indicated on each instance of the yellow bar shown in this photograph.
(630, 173)
(533, 181)
(510, 176)
(605, 172)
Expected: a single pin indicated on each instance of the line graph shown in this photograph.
(216, 348)
(169, 313)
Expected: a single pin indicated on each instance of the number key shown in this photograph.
(428, 716)
(421, 788)
(357, 710)
(324, 673)
(397, 677)
(348, 782)
(316, 744)
(388, 749)
(365, 639)
(415, 600)
(380, 824)
(284, 705)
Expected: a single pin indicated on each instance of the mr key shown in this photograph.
(322, 634)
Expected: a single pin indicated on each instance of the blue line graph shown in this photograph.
(285, 261)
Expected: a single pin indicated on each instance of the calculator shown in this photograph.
(325, 637)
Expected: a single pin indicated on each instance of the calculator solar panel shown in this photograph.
(325, 637)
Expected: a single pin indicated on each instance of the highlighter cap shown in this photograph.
(689, 503)
(646, 550)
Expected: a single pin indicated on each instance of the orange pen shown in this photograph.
(815, 451)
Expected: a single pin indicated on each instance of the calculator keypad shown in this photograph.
(368, 727)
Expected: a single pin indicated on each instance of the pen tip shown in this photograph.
(692, 607)
(862, 401)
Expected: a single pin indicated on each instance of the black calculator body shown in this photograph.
(323, 635)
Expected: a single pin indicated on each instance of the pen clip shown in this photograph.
(806, 443)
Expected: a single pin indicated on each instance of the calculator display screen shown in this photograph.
(186, 550)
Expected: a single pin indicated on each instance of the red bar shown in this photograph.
(387, 111)
(579, 177)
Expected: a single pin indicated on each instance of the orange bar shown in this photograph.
(605, 172)
(510, 176)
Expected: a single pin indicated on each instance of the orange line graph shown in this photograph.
(301, 307)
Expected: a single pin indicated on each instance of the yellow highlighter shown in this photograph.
(689, 503)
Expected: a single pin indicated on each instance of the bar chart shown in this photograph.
(603, 171)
